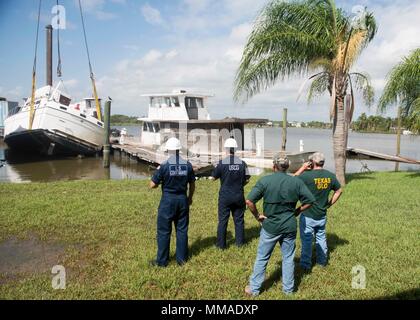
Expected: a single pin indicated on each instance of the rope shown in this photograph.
(58, 43)
(32, 108)
(98, 107)
(84, 34)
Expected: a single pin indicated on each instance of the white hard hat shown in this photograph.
(231, 143)
(173, 144)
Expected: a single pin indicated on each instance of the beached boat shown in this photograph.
(59, 127)
(48, 123)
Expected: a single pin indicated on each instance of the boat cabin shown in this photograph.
(185, 116)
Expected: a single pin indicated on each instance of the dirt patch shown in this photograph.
(28, 257)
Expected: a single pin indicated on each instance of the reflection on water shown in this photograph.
(25, 169)
(19, 168)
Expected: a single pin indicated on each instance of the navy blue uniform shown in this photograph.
(174, 176)
(233, 174)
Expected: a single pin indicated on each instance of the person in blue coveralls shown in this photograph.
(176, 176)
(233, 174)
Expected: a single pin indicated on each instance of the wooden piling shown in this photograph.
(107, 116)
(253, 139)
(397, 164)
(284, 135)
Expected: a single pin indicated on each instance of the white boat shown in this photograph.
(48, 123)
(407, 132)
(185, 115)
(59, 127)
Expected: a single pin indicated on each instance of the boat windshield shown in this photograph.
(159, 102)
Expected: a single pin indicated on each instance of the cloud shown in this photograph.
(96, 8)
(397, 35)
(14, 94)
(207, 43)
(151, 15)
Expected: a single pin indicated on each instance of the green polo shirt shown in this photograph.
(281, 193)
(320, 183)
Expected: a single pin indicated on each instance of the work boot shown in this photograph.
(153, 263)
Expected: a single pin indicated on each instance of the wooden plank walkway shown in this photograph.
(204, 163)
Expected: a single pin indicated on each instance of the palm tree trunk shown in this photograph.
(339, 141)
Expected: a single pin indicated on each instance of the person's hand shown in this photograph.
(307, 165)
(297, 212)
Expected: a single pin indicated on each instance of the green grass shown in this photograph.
(110, 227)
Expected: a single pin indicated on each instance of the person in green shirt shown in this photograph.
(281, 192)
(313, 222)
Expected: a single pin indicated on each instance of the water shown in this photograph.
(321, 140)
(26, 169)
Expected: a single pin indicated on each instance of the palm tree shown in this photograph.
(297, 37)
(403, 88)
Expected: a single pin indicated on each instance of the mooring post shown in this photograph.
(48, 64)
(284, 135)
(107, 116)
(253, 139)
(397, 164)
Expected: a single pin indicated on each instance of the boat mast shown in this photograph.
(48, 63)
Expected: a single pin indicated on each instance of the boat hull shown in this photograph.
(47, 143)
(54, 132)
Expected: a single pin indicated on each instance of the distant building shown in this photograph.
(296, 124)
(6, 108)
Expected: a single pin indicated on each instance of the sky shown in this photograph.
(139, 47)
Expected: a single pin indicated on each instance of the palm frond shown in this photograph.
(295, 32)
(318, 86)
(403, 83)
(362, 83)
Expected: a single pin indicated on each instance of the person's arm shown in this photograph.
(191, 183)
(336, 186)
(302, 208)
(337, 194)
(216, 172)
(253, 208)
(191, 190)
(305, 197)
(156, 178)
(254, 196)
(247, 175)
(303, 168)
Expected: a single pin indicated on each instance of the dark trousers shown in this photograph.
(237, 209)
(172, 209)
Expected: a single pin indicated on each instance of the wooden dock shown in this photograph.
(204, 163)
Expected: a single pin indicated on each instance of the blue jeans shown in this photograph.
(265, 249)
(308, 229)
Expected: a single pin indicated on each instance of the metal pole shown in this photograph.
(397, 164)
(48, 63)
(107, 116)
(284, 135)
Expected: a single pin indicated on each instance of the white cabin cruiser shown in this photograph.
(58, 127)
(47, 123)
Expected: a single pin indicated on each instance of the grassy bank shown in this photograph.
(107, 232)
